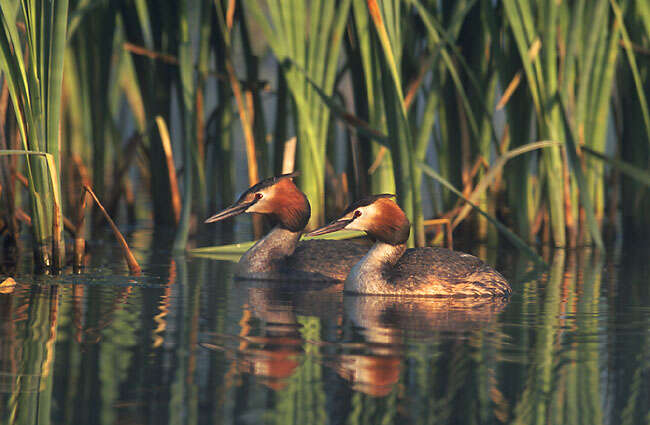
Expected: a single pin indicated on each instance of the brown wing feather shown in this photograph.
(331, 259)
(440, 271)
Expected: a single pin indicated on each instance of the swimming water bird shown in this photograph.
(280, 255)
(391, 269)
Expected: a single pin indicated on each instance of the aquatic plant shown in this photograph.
(378, 94)
(33, 73)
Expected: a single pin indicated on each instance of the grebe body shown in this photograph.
(389, 268)
(280, 254)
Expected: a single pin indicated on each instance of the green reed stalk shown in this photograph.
(90, 93)
(574, 67)
(541, 75)
(520, 177)
(154, 79)
(388, 26)
(306, 51)
(365, 73)
(478, 38)
(194, 188)
(463, 114)
(222, 164)
(35, 89)
(633, 82)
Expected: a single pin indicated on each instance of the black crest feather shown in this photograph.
(268, 182)
(366, 201)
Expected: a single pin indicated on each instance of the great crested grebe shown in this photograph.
(279, 255)
(391, 269)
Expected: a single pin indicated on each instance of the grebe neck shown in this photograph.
(368, 275)
(270, 252)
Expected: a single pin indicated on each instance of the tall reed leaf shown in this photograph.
(307, 34)
(387, 22)
(35, 88)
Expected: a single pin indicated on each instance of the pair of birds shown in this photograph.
(388, 268)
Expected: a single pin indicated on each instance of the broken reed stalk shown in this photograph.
(57, 260)
(134, 268)
(79, 241)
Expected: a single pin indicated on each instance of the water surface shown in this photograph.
(187, 344)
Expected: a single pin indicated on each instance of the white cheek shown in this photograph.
(256, 207)
(352, 226)
(359, 223)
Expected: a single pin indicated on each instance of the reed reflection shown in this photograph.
(570, 346)
(30, 319)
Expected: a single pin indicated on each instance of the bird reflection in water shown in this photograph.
(381, 326)
(270, 345)
(363, 339)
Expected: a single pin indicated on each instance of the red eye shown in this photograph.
(357, 213)
(258, 196)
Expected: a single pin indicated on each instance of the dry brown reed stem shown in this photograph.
(129, 153)
(636, 47)
(378, 159)
(134, 268)
(449, 239)
(82, 170)
(23, 216)
(22, 179)
(171, 168)
(504, 145)
(536, 225)
(67, 223)
(414, 86)
(411, 91)
(141, 51)
(253, 173)
(230, 14)
(465, 148)
(56, 241)
(261, 85)
(129, 198)
(200, 125)
(289, 156)
(247, 127)
(467, 188)
(571, 222)
(79, 249)
(509, 91)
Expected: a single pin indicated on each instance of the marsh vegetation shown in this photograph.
(524, 123)
(528, 118)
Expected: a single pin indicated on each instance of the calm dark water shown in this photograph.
(186, 344)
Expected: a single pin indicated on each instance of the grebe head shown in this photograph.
(276, 197)
(378, 215)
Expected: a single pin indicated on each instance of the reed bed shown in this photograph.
(528, 118)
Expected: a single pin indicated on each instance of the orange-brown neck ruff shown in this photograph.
(291, 208)
(391, 224)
